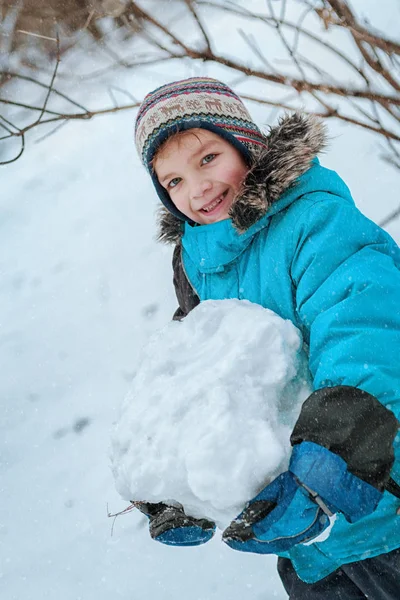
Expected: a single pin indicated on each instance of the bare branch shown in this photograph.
(5, 126)
(302, 18)
(12, 74)
(37, 35)
(369, 100)
(52, 132)
(74, 117)
(393, 215)
(300, 85)
(300, 31)
(250, 41)
(278, 25)
(332, 112)
(50, 88)
(41, 109)
(20, 153)
(347, 17)
(190, 5)
(141, 14)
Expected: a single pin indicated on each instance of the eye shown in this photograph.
(174, 182)
(208, 158)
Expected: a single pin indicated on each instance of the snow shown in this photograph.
(325, 534)
(208, 419)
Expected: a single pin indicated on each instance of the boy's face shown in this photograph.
(202, 174)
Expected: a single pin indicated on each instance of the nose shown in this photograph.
(198, 186)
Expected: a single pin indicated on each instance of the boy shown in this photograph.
(256, 217)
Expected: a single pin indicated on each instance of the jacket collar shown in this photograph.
(291, 147)
(213, 246)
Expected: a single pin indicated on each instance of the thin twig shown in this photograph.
(36, 35)
(110, 92)
(328, 114)
(299, 24)
(392, 147)
(12, 74)
(30, 107)
(190, 6)
(121, 512)
(249, 39)
(50, 133)
(125, 92)
(9, 123)
(50, 89)
(88, 20)
(10, 131)
(393, 215)
(292, 54)
(8, 162)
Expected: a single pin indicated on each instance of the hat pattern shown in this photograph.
(197, 102)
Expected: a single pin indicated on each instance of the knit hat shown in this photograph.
(198, 102)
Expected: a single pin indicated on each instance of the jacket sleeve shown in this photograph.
(187, 298)
(346, 279)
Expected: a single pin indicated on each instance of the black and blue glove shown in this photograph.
(170, 525)
(296, 506)
(348, 477)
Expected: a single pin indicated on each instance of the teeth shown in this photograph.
(214, 204)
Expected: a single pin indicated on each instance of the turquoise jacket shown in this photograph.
(315, 259)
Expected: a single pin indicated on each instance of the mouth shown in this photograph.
(213, 206)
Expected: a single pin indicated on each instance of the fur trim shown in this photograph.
(292, 145)
(170, 228)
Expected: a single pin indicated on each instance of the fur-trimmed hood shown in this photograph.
(291, 146)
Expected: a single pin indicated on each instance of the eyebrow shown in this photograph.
(198, 152)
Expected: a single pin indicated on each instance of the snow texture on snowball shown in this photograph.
(208, 419)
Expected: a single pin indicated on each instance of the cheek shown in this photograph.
(177, 200)
(180, 201)
(236, 174)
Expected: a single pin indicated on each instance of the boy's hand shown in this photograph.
(295, 507)
(280, 516)
(170, 525)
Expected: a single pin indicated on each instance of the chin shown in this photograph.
(221, 218)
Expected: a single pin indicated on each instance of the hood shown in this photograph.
(292, 146)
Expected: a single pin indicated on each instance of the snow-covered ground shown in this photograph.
(83, 286)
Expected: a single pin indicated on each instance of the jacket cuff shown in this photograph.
(354, 425)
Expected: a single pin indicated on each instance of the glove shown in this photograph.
(296, 506)
(170, 525)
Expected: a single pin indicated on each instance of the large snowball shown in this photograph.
(208, 419)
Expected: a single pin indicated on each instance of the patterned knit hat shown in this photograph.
(198, 102)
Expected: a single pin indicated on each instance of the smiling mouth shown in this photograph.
(209, 208)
